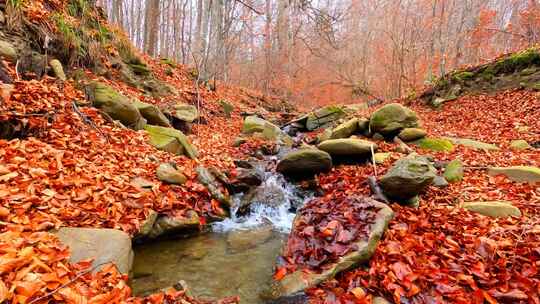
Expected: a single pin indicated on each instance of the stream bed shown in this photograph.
(237, 255)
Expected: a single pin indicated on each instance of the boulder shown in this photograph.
(411, 134)
(323, 117)
(381, 157)
(392, 118)
(170, 140)
(227, 108)
(206, 178)
(435, 144)
(168, 225)
(254, 125)
(345, 129)
(324, 135)
(454, 171)
(58, 69)
(152, 114)
(520, 144)
(493, 209)
(475, 144)
(304, 162)
(8, 51)
(347, 147)
(116, 105)
(300, 280)
(101, 245)
(440, 182)
(185, 112)
(147, 225)
(167, 172)
(520, 174)
(246, 179)
(363, 125)
(408, 177)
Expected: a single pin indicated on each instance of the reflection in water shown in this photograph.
(214, 265)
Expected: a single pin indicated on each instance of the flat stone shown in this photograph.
(435, 144)
(347, 147)
(101, 245)
(520, 144)
(166, 172)
(169, 225)
(381, 157)
(475, 144)
(152, 114)
(493, 209)
(410, 134)
(407, 178)
(345, 129)
(520, 174)
(185, 112)
(305, 162)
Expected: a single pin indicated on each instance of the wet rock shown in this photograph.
(345, 129)
(347, 147)
(168, 173)
(392, 118)
(171, 140)
(435, 144)
(299, 280)
(58, 70)
(147, 224)
(493, 209)
(520, 174)
(454, 171)
(116, 105)
(408, 177)
(244, 164)
(440, 182)
(206, 178)
(520, 144)
(240, 240)
(304, 162)
(245, 180)
(475, 144)
(411, 134)
(101, 245)
(8, 51)
(168, 225)
(152, 114)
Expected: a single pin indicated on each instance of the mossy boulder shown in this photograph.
(254, 125)
(411, 134)
(345, 129)
(140, 69)
(184, 112)
(474, 144)
(152, 114)
(171, 140)
(304, 162)
(363, 125)
(435, 144)
(8, 51)
(408, 177)
(494, 209)
(208, 179)
(520, 174)
(381, 157)
(392, 118)
(520, 144)
(116, 105)
(227, 108)
(347, 147)
(323, 117)
(168, 173)
(454, 171)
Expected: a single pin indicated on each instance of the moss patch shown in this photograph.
(435, 144)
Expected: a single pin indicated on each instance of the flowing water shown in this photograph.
(235, 258)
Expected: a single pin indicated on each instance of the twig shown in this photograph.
(78, 276)
(250, 7)
(17, 70)
(403, 145)
(87, 120)
(373, 161)
(197, 88)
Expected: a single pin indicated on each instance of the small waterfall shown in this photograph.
(273, 202)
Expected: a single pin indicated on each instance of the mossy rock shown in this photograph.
(454, 171)
(152, 114)
(162, 136)
(58, 70)
(185, 112)
(140, 69)
(494, 209)
(435, 144)
(323, 117)
(410, 134)
(471, 143)
(347, 147)
(345, 129)
(517, 61)
(463, 76)
(520, 174)
(227, 108)
(381, 157)
(116, 105)
(520, 144)
(168, 62)
(8, 51)
(304, 162)
(363, 124)
(208, 179)
(392, 118)
(254, 125)
(407, 178)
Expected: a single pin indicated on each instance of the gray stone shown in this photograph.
(323, 117)
(101, 245)
(300, 280)
(304, 162)
(475, 144)
(392, 118)
(520, 174)
(206, 178)
(440, 182)
(408, 177)
(152, 114)
(116, 105)
(185, 112)
(345, 129)
(167, 225)
(240, 240)
(8, 51)
(410, 134)
(348, 147)
(168, 173)
(493, 209)
(171, 140)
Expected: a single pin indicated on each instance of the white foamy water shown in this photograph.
(271, 205)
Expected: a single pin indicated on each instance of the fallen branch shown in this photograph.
(373, 161)
(403, 145)
(376, 190)
(78, 276)
(88, 120)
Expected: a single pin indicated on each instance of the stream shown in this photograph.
(237, 255)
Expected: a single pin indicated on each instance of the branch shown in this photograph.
(250, 7)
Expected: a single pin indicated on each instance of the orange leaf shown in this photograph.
(71, 296)
(280, 273)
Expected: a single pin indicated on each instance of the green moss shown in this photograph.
(463, 76)
(140, 69)
(168, 62)
(435, 144)
(516, 62)
(454, 171)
